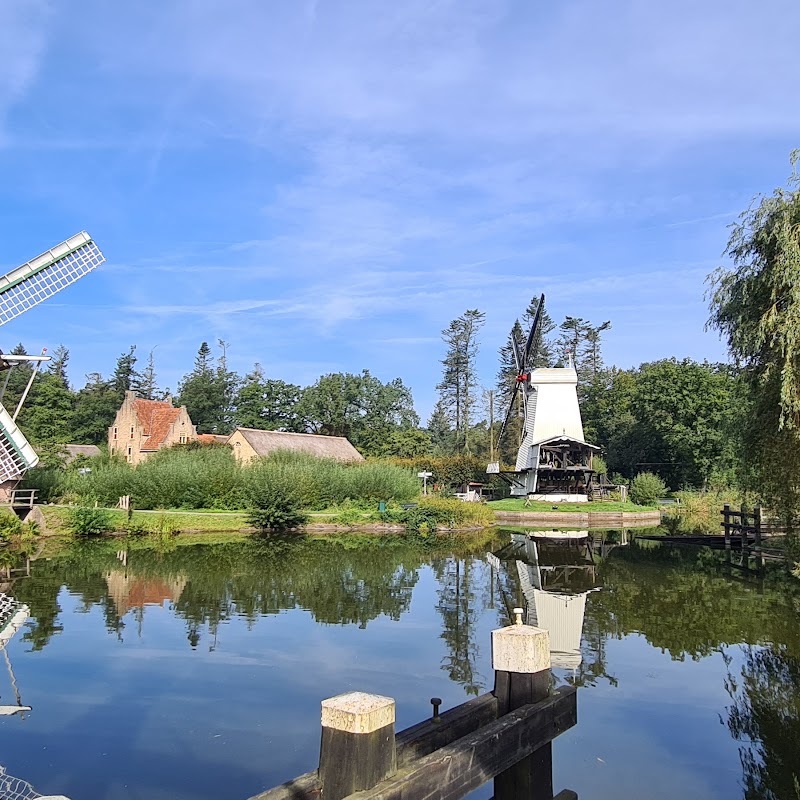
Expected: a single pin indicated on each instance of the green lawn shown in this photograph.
(518, 504)
(156, 521)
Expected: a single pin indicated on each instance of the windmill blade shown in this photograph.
(16, 455)
(508, 413)
(532, 335)
(520, 364)
(43, 276)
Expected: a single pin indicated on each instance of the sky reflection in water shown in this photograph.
(196, 671)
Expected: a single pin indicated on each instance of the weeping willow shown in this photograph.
(755, 305)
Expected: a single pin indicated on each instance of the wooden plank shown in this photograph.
(423, 738)
(454, 771)
(303, 787)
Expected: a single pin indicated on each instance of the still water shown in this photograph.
(178, 668)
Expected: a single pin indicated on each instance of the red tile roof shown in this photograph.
(155, 418)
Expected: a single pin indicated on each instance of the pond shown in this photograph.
(180, 668)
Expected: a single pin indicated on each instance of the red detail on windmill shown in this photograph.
(522, 377)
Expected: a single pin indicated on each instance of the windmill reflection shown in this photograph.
(554, 572)
(12, 618)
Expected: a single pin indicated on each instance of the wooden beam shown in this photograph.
(454, 771)
(422, 739)
(412, 743)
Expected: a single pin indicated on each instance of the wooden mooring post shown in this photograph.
(504, 735)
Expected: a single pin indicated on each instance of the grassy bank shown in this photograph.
(56, 518)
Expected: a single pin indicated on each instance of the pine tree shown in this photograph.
(201, 393)
(125, 376)
(441, 430)
(146, 384)
(457, 389)
(542, 350)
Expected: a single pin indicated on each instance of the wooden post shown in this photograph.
(521, 661)
(358, 744)
(745, 536)
(726, 531)
(757, 552)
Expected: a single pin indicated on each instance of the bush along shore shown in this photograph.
(206, 489)
(428, 515)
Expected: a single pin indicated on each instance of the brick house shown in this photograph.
(142, 427)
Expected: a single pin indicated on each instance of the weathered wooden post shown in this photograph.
(358, 744)
(726, 531)
(744, 531)
(521, 663)
(757, 551)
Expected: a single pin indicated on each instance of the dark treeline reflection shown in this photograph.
(344, 580)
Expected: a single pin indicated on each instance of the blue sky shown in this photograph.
(325, 184)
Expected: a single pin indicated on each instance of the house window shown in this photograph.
(115, 433)
(131, 431)
(182, 439)
(130, 454)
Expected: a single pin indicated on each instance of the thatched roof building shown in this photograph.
(250, 443)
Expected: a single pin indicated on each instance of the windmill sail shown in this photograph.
(47, 274)
(16, 455)
(20, 290)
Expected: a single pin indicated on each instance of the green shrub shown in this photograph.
(646, 489)
(443, 512)
(599, 465)
(10, 526)
(275, 496)
(86, 521)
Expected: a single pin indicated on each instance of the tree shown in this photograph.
(459, 376)
(208, 390)
(228, 384)
(267, 404)
(147, 385)
(756, 307)
(542, 350)
(670, 417)
(358, 407)
(440, 430)
(125, 376)
(46, 416)
(582, 340)
(15, 380)
(95, 407)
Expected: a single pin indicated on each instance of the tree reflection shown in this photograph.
(346, 580)
(766, 716)
(458, 605)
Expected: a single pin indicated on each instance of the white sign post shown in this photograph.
(425, 476)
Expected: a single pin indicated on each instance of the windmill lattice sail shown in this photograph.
(20, 290)
(43, 276)
(16, 454)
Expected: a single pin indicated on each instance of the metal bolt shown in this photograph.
(518, 612)
(436, 702)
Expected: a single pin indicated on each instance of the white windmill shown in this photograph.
(554, 462)
(20, 290)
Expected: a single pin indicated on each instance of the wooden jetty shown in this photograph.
(505, 735)
(742, 532)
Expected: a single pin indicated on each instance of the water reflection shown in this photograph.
(765, 718)
(192, 624)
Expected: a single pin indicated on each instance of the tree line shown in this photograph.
(694, 424)
(670, 417)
